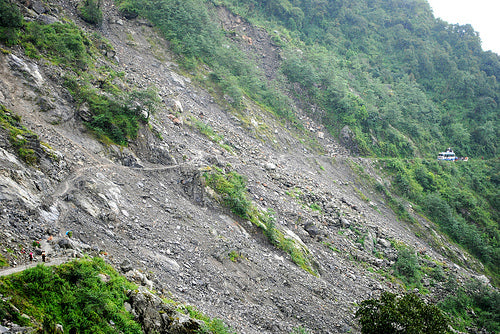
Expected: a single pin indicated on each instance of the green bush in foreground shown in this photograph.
(74, 295)
(405, 315)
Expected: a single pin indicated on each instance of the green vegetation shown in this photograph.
(231, 190)
(20, 137)
(407, 267)
(3, 261)
(405, 82)
(11, 21)
(407, 314)
(72, 294)
(210, 133)
(234, 256)
(90, 11)
(62, 43)
(473, 304)
(211, 326)
(114, 115)
(462, 198)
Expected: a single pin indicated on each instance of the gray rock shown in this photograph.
(22, 68)
(483, 279)
(384, 243)
(368, 244)
(65, 244)
(312, 229)
(270, 166)
(126, 266)
(158, 317)
(171, 264)
(47, 19)
(39, 7)
(345, 223)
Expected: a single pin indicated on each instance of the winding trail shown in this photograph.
(53, 262)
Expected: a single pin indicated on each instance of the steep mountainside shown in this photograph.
(149, 200)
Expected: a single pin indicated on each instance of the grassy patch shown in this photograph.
(211, 325)
(208, 131)
(231, 191)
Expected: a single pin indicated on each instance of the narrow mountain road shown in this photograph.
(53, 262)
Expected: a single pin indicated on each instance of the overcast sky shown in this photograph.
(483, 15)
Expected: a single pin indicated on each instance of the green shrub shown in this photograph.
(473, 296)
(63, 43)
(127, 9)
(300, 330)
(11, 21)
(232, 190)
(407, 267)
(19, 136)
(231, 187)
(90, 11)
(408, 314)
(115, 117)
(72, 295)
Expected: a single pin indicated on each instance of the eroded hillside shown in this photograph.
(149, 203)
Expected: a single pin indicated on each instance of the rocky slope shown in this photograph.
(148, 203)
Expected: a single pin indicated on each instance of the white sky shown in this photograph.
(483, 15)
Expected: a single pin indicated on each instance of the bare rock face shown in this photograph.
(347, 138)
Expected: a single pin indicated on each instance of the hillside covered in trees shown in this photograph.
(406, 83)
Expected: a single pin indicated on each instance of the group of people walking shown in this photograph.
(32, 256)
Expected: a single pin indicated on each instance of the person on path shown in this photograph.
(31, 256)
(43, 256)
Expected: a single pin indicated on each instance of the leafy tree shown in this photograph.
(406, 265)
(10, 22)
(90, 11)
(408, 314)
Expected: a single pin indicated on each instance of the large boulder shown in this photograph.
(155, 316)
(348, 139)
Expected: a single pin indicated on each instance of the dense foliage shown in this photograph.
(463, 198)
(408, 314)
(85, 296)
(232, 190)
(473, 304)
(18, 135)
(406, 83)
(10, 22)
(90, 11)
(63, 43)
